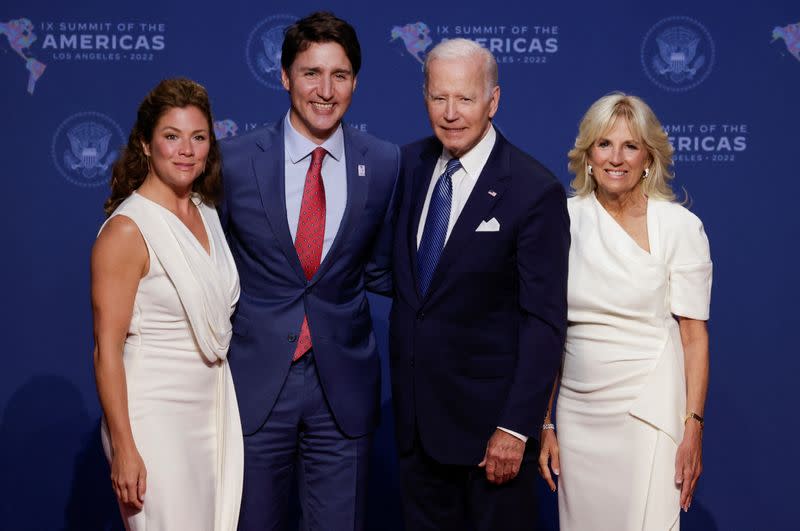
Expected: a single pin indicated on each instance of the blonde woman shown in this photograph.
(635, 370)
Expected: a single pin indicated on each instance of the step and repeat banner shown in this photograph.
(723, 79)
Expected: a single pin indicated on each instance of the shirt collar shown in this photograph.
(299, 147)
(475, 159)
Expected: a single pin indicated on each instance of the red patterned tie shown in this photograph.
(310, 234)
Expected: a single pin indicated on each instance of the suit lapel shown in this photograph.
(269, 170)
(357, 190)
(487, 192)
(420, 183)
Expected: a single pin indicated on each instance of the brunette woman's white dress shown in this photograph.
(623, 390)
(181, 400)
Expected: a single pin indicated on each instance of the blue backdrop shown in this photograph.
(724, 80)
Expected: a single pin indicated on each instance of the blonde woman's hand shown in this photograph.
(548, 457)
(689, 462)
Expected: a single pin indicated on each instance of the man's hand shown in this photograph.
(503, 457)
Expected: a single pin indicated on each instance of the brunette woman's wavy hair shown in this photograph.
(132, 166)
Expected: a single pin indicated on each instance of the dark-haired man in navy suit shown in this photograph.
(307, 211)
(479, 317)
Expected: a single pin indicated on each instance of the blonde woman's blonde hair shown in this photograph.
(645, 128)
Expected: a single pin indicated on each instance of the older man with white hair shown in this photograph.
(478, 322)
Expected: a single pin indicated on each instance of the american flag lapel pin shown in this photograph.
(492, 193)
(362, 170)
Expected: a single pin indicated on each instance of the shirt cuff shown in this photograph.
(515, 434)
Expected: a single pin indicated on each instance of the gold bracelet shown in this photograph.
(695, 416)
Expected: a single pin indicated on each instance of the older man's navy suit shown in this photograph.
(481, 349)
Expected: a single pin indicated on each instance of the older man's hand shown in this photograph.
(503, 457)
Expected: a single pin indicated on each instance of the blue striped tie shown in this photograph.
(435, 231)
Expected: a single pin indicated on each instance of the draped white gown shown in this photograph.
(623, 390)
(181, 400)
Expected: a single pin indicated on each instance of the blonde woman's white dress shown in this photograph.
(623, 390)
(181, 400)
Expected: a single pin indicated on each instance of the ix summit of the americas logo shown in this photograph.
(523, 44)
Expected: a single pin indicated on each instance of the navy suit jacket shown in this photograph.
(275, 293)
(483, 347)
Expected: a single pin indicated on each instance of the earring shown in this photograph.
(646, 173)
(590, 171)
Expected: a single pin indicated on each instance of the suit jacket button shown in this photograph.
(412, 363)
(292, 338)
(420, 316)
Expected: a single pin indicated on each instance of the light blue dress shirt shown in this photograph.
(297, 158)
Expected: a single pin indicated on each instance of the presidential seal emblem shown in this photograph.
(263, 51)
(677, 53)
(85, 147)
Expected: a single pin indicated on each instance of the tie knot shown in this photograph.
(452, 166)
(317, 155)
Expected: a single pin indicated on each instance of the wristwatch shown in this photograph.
(695, 416)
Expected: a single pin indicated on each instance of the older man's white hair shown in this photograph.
(463, 49)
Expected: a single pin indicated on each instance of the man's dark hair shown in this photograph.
(318, 27)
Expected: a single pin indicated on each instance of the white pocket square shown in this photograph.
(489, 226)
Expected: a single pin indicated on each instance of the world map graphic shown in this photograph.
(416, 39)
(791, 38)
(19, 35)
